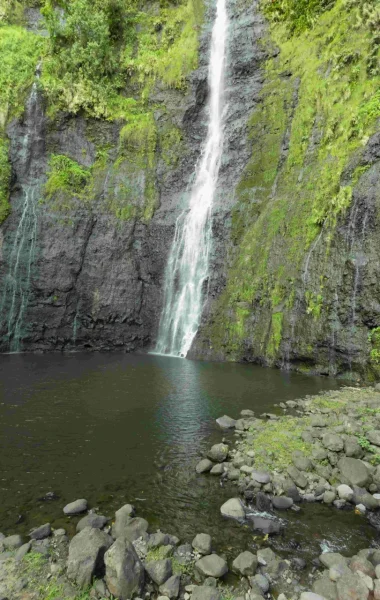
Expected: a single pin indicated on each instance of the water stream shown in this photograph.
(188, 265)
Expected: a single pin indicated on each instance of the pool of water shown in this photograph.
(130, 428)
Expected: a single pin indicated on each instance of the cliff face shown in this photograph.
(94, 204)
(97, 180)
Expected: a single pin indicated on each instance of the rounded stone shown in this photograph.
(233, 508)
(76, 507)
(212, 566)
(202, 543)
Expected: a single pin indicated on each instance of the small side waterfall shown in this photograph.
(17, 282)
(188, 265)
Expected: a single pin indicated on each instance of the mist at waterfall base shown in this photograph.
(188, 263)
(131, 428)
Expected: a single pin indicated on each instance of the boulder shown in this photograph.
(333, 442)
(318, 421)
(311, 596)
(233, 508)
(282, 502)
(247, 413)
(360, 563)
(203, 592)
(170, 588)
(158, 539)
(22, 551)
(302, 463)
(262, 582)
(374, 437)
(263, 503)
(266, 526)
(245, 563)
(354, 471)
(212, 566)
(159, 570)
(351, 587)
(218, 453)
(298, 477)
(12, 542)
(204, 466)
(40, 533)
(329, 497)
(325, 587)
(352, 448)
(261, 477)
(345, 492)
(86, 553)
(130, 528)
(217, 470)
(76, 507)
(226, 422)
(124, 570)
(202, 543)
(330, 559)
(92, 520)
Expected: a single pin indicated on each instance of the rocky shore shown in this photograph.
(323, 448)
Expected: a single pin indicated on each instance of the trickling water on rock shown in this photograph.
(188, 264)
(17, 283)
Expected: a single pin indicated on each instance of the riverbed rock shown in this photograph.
(159, 570)
(263, 502)
(282, 502)
(261, 477)
(325, 587)
(345, 492)
(86, 552)
(124, 570)
(202, 543)
(76, 507)
(92, 520)
(351, 587)
(360, 563)
(212, 566)
(332, 442)
(352, 448)
(131, 529)
(12, 542)
(329, 497)
(297, 476)
(41, 533)
(245, 563)
(226, 422)
(373, 436)
(157, 539)
(318, 421)
(170, 588)
(204, 466)
(311, 596)
(266, 526)
(354, 471)
(22, 551)
(218, 453)
(330, 559)
(262, 582)
(203, 592)
(233, 508)
(217, 469)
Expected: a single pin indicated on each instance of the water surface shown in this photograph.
(130, 428)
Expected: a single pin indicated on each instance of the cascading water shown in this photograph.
(188, 265)
(16, 291)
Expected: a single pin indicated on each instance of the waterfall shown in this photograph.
(17, 282)
(188, 264)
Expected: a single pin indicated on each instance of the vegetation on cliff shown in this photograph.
(319, 106)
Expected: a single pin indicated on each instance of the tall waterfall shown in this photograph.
(17, 284)
(188, 265)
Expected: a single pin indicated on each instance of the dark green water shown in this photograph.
(130, 428)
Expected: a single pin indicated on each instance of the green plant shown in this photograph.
(67, 179)
(364, 443)
(374, 338)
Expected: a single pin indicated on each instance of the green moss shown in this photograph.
(276, 442)
(374, 338)
(171, 145)
(67, 180)
(5, 175)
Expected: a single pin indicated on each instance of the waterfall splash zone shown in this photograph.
(187, 270)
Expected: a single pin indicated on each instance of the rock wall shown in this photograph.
(87, 271)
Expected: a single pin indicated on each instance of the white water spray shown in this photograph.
(188, 265)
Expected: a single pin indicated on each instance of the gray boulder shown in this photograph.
(282, 502)
(301, 462)
(159, 570)
(170, 588)
(217, 470)
(226, 422)
(76, 507)
(92, 520)
(298, 477)
(351, 587)
(12, 542)
(360, 563)
(212, 566)
(352, 448)
(123, 516)
(374, 437)
(354, 471)
(124, 570)
(329, 559)
(218, 453)
(333, 442)
(263, 503)
(245, 563)
(318, 421)
(311, 596)
(325, 587)
(131, 529)
(261, 477)
(203, 592)
(86, 553)
(22, 551)
(233, 508)
(262, 582)
(202, 543)
(158, 539)
(345, 492)
(40, 533)
(204, 466)
(266, 526)
(246, 412)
